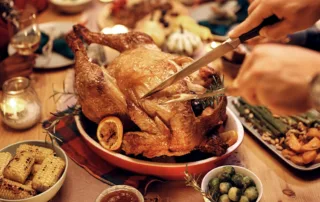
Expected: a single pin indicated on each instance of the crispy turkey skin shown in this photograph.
(165, 129)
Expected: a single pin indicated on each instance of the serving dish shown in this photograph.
(171, 171)
(274, 150)
(56, 60)
(51, 192)
(214, 173)
(120, 188)
(105, 18)
(70, 6)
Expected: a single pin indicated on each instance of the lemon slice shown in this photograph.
(229, 137)
(110, 133)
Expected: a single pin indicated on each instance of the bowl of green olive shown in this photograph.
(232, 184)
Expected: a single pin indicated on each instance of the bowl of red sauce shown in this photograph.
(120, 193)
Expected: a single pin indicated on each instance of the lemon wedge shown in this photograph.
(110, 133)
(229, 137)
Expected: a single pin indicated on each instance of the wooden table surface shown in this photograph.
(280, 182)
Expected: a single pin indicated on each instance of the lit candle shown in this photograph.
(20, 107)
(19, 114)
(12, 107)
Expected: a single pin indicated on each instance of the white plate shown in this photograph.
(202, 12)
(71, 6)
(56, 60)
(255, 133)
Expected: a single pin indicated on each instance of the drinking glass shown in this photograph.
(24, 32)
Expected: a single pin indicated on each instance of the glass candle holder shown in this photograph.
(20, 106)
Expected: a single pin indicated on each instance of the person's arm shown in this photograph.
(296, 15)
(279, 77)
(309, 38)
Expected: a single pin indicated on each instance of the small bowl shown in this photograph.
(214, 173)
(70, 6)
(50, 193)
(120, 188)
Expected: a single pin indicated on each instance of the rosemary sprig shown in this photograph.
(50, 126)
(217, 83)
(192, 181)
(57, 95)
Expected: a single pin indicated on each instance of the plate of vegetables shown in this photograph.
(231, 183)
(295, 139)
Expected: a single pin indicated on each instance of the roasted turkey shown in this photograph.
(163, 129)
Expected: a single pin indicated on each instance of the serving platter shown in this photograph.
(272, 148)
(171, 171)
(105, 19)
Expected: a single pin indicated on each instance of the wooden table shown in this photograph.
(280, 182)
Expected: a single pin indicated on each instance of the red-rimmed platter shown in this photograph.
(170, 171)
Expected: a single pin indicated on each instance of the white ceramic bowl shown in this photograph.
(214, 172)
(50, 193)
(70, 6)
(120, 188)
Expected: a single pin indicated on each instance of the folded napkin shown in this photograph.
(80, 153)
(59, 46)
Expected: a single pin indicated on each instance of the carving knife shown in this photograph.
(225, 47)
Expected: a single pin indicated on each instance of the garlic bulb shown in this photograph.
(183, 42)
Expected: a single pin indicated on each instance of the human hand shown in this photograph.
(278, 76)
(296, 15)
(16, 65)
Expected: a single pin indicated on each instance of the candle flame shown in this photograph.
(13, 106)
(12, 103)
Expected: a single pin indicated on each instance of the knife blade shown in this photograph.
(225, 47)
(218, 52)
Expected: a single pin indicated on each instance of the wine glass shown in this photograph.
(24, 32)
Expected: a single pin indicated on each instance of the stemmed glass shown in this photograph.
(24, 32)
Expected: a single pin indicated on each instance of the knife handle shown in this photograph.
(255, 31)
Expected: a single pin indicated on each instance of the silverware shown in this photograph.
(225, 47)
(210, 56)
